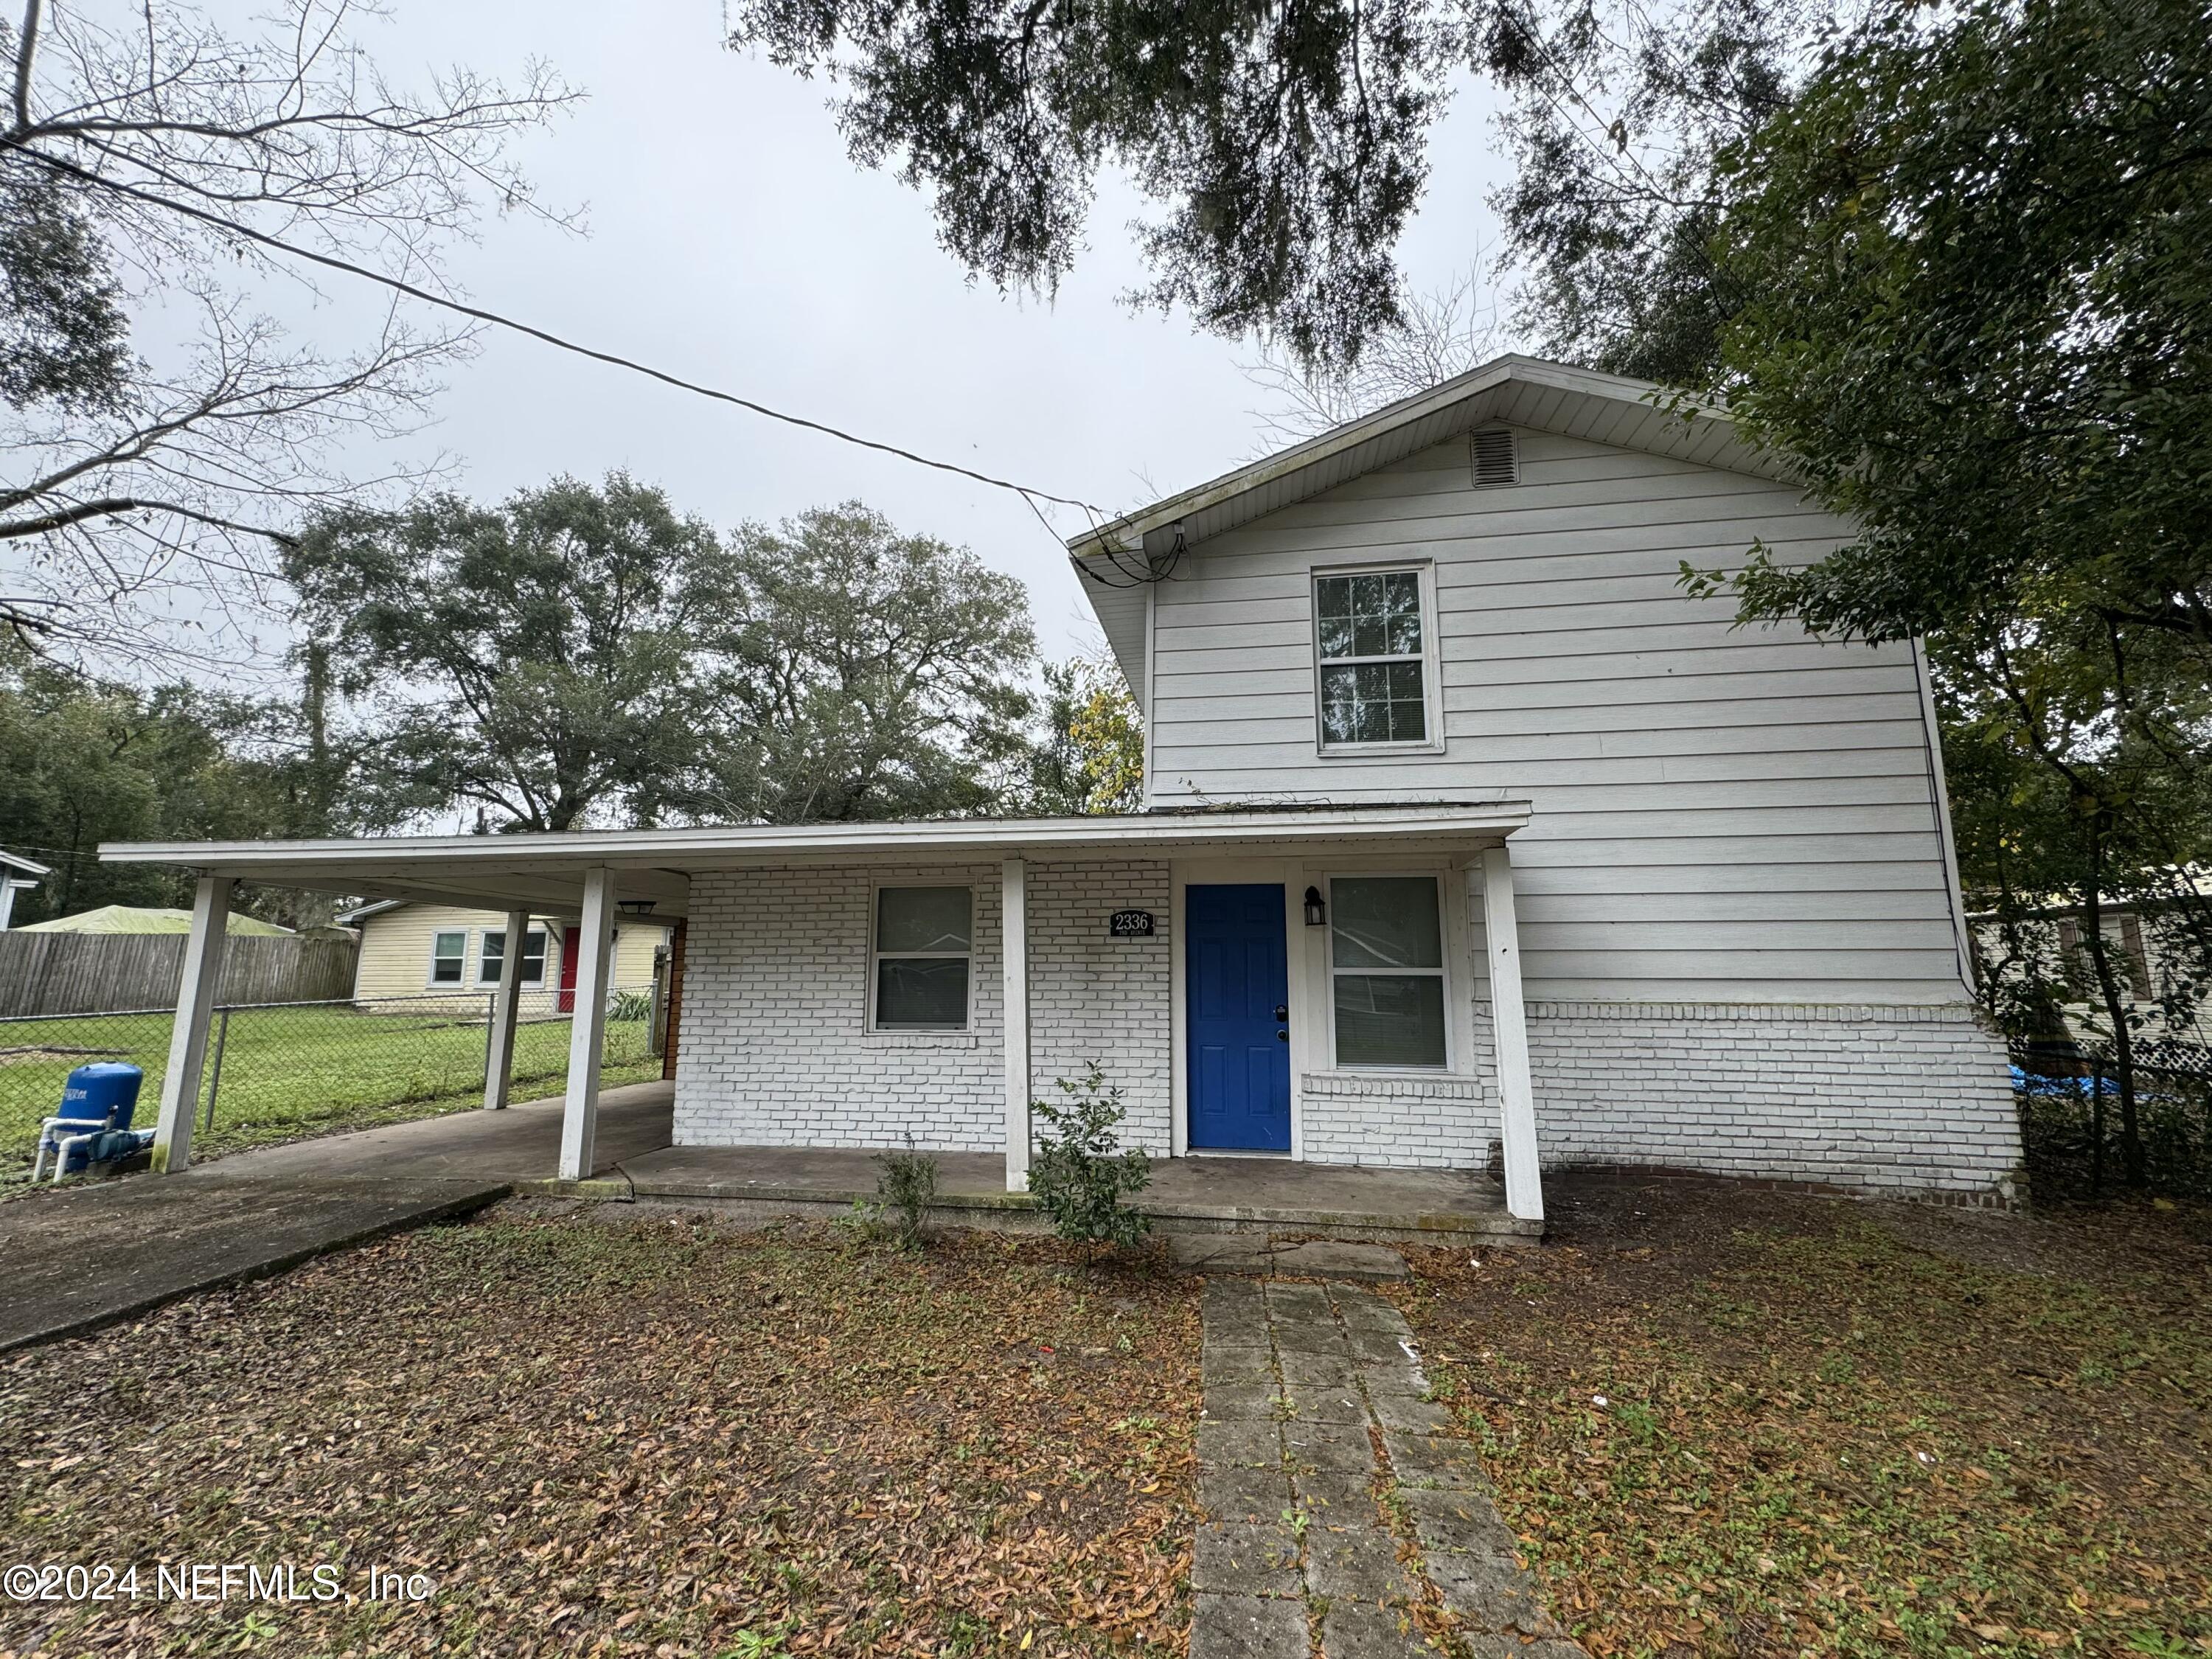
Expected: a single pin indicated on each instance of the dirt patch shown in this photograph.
(1735, 1422)
(667, 1437)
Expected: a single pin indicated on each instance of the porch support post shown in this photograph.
(1013, 921)
(580, 1114)
(1524, 1186)
(195, 999)
(506, 1007)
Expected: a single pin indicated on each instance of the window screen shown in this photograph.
(449, 954)
(924, 938)
(494, 953)
(1387, 971)
(1372, 658)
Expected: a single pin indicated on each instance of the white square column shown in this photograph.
(580, 1114)
(195, 999)
(506, 1008)
(1014, 926)
(1524, 1184)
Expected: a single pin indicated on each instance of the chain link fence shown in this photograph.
(2070, 1115)
(283, 1071)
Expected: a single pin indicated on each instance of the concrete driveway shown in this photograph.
(87, 1256)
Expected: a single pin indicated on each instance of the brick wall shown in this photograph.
(1444, 1123)
(1895, 1099)
(1093, 997)
(777, 1051)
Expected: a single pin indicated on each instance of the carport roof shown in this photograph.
(545, 872)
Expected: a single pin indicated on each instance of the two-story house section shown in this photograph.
(1470, 841)
(1742, 946)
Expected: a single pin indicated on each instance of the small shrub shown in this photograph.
(906, 1191)
(1080, 1172)
(863, 1224)
(628, 1005)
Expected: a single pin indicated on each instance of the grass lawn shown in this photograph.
(291, 1072)
(653, 1437)
(1733, 1423)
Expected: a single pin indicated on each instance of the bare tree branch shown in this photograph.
(148, 508)
(1440, 335)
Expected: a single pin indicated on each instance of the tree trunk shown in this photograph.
(2096, 1128)
(2108, 986)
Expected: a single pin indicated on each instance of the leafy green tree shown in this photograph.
(1617, 117)
(86, 761)
(865, 674)
(1977, 318)
(1090, 756)
(542, 660)
(1285, 145)
(63, 337)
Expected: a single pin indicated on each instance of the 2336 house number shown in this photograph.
(1129, 924)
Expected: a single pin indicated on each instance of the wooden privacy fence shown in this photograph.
(102, 973)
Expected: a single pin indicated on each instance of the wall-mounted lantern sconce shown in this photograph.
(1315, 914)
(635, 909)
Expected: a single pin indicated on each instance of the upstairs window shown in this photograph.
(1387, 971)
(1372, 634)
(494, 955)
(449, 955)
(924, 938)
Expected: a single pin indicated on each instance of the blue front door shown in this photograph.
(1238, 992)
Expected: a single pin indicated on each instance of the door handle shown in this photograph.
(1286, 1036)
(1282, 1012)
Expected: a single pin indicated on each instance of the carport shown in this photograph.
(591, 879)
(1068, 937)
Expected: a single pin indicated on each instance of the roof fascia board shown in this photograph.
(1126, 532)
(670, 855)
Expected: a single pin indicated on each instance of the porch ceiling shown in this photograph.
(545, 872)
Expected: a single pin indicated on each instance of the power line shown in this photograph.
(332, 262)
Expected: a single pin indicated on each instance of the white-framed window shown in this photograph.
(1387, 997)
(918, 958)
(449, 956)
(492, 957)
(1375, 659)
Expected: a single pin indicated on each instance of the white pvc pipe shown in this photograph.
(38, 1164)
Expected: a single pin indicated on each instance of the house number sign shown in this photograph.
(1129, 924)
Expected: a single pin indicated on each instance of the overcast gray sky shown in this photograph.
(732, 241)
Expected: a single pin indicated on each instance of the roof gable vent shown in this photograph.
(1496, 457)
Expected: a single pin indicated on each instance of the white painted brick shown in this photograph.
(774, 1051)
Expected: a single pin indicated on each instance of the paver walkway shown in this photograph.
(1334, 1501)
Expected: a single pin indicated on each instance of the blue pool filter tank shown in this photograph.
(92, 1091)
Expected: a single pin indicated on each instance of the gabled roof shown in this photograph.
(361, 913)
(1513, 391)
(143, 918)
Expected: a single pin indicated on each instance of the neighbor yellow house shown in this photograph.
(417, 950)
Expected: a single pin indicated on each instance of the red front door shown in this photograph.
(571, 939)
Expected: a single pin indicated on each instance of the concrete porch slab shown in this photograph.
(1187, 1195)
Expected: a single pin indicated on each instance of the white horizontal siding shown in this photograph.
(1721, 814)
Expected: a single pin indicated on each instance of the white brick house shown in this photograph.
(1468, 834)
